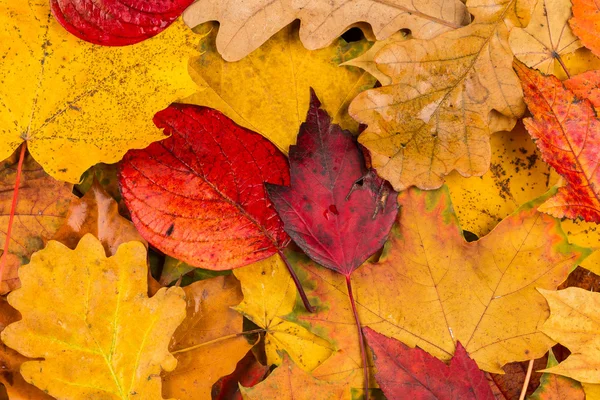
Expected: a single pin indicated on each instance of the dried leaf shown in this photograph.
(556, 387)
(91, 321)
(198, 195)
(78, 104)
(586, 23)
(322, 21)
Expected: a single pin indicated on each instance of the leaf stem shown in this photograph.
(562, 64)
(13, 208)
(301, 291)
(527, 379)
(222, 338)
(361, 338)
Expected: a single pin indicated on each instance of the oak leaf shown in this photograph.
(205, 344)
(567, 132)
(556, 387)
(267, 91)
(91, 321)
(198, 195)
(243, 29)
(586, 23)
(546, 38)
(116, 23)
(77, 104)
(574, 323)
(289, 382)
(403, 372)
(447, 96)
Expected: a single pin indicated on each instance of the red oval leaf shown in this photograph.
(198, 195)
(117, 22)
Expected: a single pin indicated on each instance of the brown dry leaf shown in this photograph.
(41, 209)
(97, 213)
(211, 325)
(244, 29)
(547, 37)
(447, 96)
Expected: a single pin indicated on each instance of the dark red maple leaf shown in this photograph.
(248, 372)
(405, 373)
(117, 22)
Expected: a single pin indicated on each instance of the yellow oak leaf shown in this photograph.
(447, 96)
(289, 382)
(269, 91)
(269, 296)
(41, 209)
(575, 323)
(89, 318)
(75, 103)
(547, 37)
(243, 29)
(208, 344)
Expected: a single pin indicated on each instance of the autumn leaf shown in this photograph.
(267, 91)
(547, 37)
(556, 387)
(567, 132)
(574, 323)
(96, 213)
(586, 86)
(288, 382)
(322, 22)
(248, 373)
(586, 23)
(208, 344)
(91, 321)
(77, 104)
(403, 372)
(269, 298)
(41, 210)
(116, 23)
(448, 94)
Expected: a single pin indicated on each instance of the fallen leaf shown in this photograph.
(546, 38)
(41, 209)
(586, 23)
(574, 323)
(172, 270)
(448, 94)
(78, 104)
(205, 344)
(116, 23)
(96, 213)
(567, 132)
(91, 321)
(332, 196)
(248, 373)
(586, 86)
(269, 296)
(403, 372)
(556, 387)
(288, 382)
(198, 195)
(268, 91)
(322, 21)
(592, 392)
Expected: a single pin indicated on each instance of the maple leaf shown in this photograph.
(403, 372)
(41, 211)
(208, 344)
(556, 387)
(586, 23)
(448, 94)
(567, 132)
(267, 91)
(91, 321)
(322, 21)
(546, 38)
(77, 104)
(573, 322)
(288, 382)
(116, 23)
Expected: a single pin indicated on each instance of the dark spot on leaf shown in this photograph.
(470, 236)
(169, 231)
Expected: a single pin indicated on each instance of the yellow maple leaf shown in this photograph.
(90, 319)
(77, 104)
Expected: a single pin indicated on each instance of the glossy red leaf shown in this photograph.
(198, 195)
(117, 22)
(337, 211)
(405, 373)
(567, 132)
